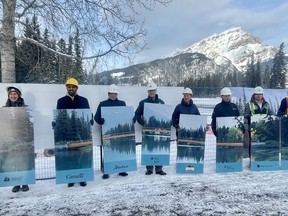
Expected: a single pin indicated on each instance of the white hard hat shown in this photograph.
(187, 91)
(258, 90)
(113, 89)
(225, 91)
(151, 86)
(14, 88)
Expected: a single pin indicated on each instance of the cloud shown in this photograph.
(183, 23)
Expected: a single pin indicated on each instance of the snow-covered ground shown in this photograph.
(243, 193)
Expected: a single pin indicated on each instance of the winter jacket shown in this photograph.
(223, 109)
(283, 109)
(106, 103)
(19, 103)
(184, 108)
(77, 102)
(139, 111)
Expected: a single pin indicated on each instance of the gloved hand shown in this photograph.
(91, 122)
(102, 121)
(53, 124)
(134, 119)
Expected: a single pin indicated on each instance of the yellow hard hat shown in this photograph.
(72, 81)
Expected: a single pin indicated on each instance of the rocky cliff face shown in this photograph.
(220, 53)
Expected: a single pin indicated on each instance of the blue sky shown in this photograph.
(185, 22)
(116, 115)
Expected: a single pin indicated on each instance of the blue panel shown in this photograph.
(17, 178)
(154, 159)
(264, 165)
(229, 167)
(284, 165)
(120, 166)
(74, 176)
(189, 168)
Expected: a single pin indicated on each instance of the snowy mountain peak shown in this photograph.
(234, 46)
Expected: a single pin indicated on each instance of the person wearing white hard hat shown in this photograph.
(112, 100)
(185, 107)
(15, 100)
(257, 106)
(152, 98)
(224, 109)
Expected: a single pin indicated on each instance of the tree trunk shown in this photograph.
(8, 42)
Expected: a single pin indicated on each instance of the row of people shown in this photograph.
(256, 106)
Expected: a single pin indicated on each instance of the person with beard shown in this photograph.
(224, 109)
(185, 107)
(15, 100)
(72, 101)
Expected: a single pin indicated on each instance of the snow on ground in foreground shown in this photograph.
(244, 193)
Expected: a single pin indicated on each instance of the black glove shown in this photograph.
(102, 121)
(91, 122)
(53, 124)
(134, 119)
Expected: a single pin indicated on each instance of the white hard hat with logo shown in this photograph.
(258, 90)
(225, 91)
(151, 86)
(187, 91)
(113, 89)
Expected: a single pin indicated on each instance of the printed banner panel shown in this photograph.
(265, 143)
(229, 146)
(73, 145)
(118, 136)
(17, 158)
(191, 144)
(155, 149)
(157, 116)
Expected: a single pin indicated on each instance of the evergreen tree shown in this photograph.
(258, 76)
(278, 70)
(78, 61)
(267, 76)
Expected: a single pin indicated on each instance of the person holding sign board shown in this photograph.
(112, 100)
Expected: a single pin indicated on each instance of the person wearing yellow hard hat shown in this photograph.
(152, 98)
(112, 100)
(185, 107)
(72, 101)
(224, 109)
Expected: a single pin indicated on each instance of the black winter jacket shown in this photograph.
(139, 111)
(223, 109)
(184, 108)
(78, 102)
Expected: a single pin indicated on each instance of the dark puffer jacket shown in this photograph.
(184, 108)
